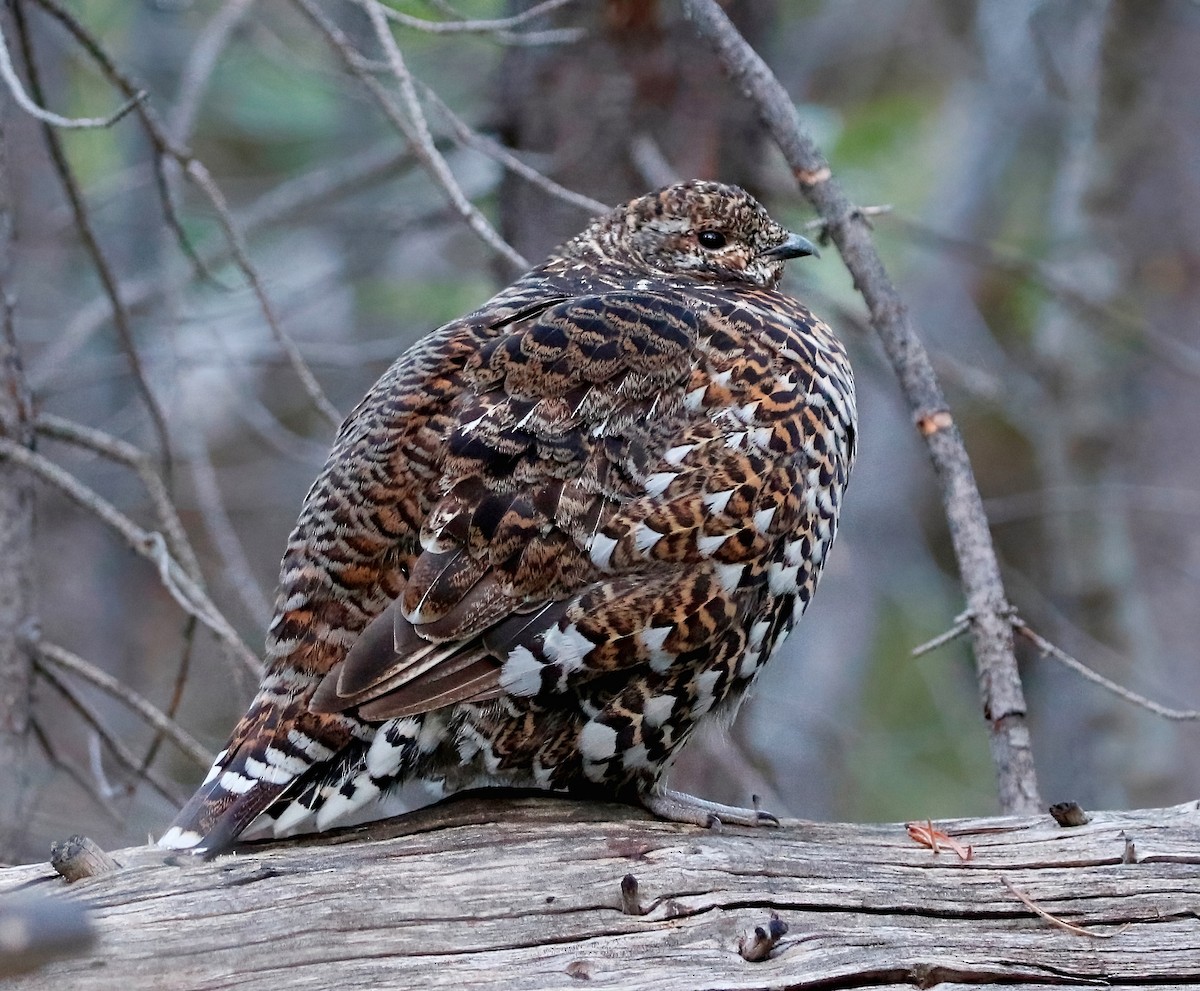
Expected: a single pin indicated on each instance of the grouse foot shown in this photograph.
(675, 806)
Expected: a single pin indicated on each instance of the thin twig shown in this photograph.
(201, 61)
(999, 680)
(1175, 352)
(199, 174)
(1097, 498)
(8, 73)
(417, 131)
(95, 748)
(1033, 906)
(470, 138)
(128, 454)
(72, 772)
(957, 630)
(255, 414)
(307, 191)
(1050, 650)
(124, 756)
(63, 658)
(193, 82)
(646, 155)
(181, 674)
(150, 545)
(145, 113)
(499, 29)
(476, 26)
(221, 530)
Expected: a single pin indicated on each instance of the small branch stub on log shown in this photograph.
(1069, 814)
(757, 945)
(80, 857)
(631, 904)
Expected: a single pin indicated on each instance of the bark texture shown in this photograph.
(510, 893)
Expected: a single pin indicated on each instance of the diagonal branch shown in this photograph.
(1049, 650)
(199, 176)
(991, 633)
(305, 192)
(196, 171)
(416, 131)
(64, 659)
(150, 545)
(470, 138)
(122, 452)
(68, 767)
(23, 100)
(476, 26)
(124, 756)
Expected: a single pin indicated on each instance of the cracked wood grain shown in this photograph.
(501, 893)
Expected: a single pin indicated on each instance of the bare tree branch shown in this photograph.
(150, 545)
(198, 174)
(471, 138)
(205, 54)
(66, 660)
(181, 674)
(91, 243)
(999, 681)
(478, 26)
(125, 453)
(652, 165)
(1180, 355)
(416, 131)
(9, 74)
(285, 200)
(1055, 653)
(124, 756)
(224, 537)
(193, 82)
(86, 784)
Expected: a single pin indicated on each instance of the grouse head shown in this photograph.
(703, 230)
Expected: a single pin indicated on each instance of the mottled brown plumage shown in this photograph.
(556, 534)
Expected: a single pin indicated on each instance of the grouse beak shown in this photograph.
(794, 247)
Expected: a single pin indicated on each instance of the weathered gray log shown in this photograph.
(514, 893)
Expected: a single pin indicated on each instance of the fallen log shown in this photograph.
(506, 893)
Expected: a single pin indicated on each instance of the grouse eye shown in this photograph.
(712, 240)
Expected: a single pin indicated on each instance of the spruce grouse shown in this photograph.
(557, 533)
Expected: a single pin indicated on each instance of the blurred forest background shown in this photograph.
(1041, 159)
